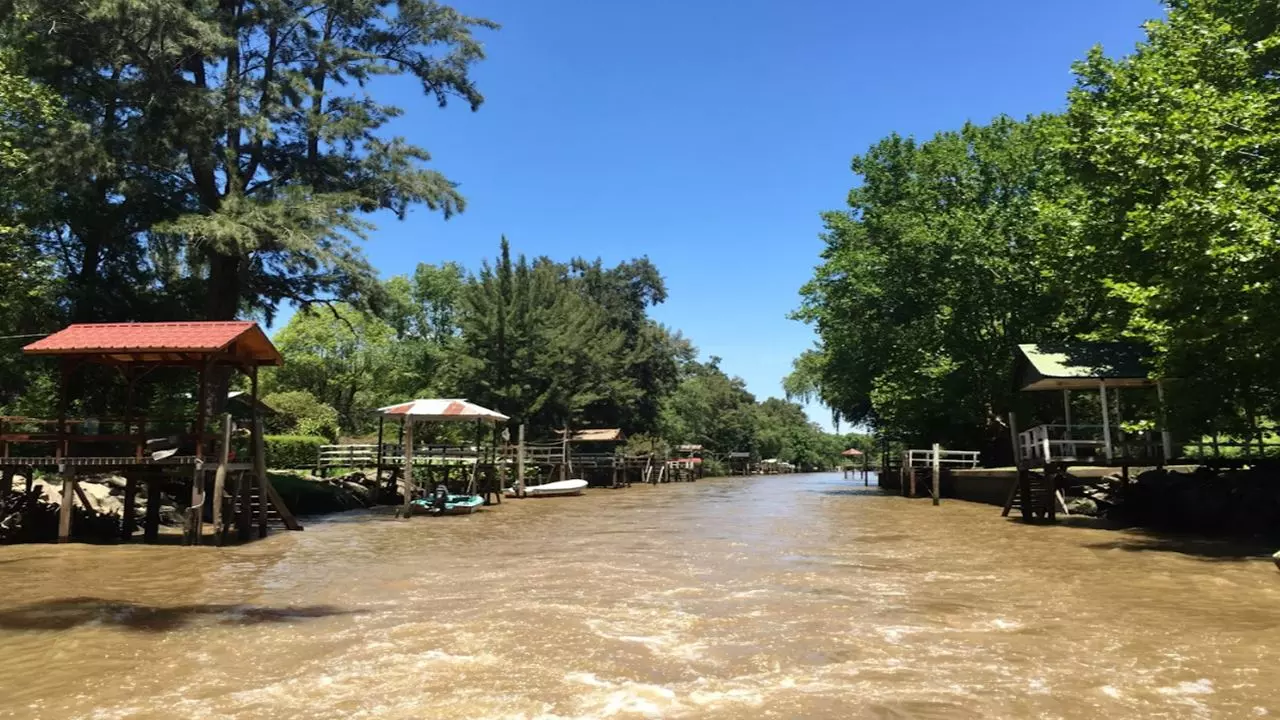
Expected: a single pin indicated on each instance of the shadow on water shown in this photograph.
(73, 612)
(1201, 548)
(850, 492)
(1146, 540)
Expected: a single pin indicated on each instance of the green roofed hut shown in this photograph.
(1105, 368)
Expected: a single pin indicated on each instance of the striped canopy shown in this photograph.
(851, 452)
(443, 410)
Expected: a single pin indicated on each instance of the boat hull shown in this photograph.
(563, 488)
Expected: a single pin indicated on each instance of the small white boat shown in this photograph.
(554, 489)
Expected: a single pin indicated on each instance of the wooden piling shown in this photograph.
(937, 474)
(1024, 488)
(128, 523)
(520, 462)
(196, 509)
(68, 499)
(151, 526)
(220, 482)
(407, 428)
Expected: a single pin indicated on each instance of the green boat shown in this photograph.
(442, 504)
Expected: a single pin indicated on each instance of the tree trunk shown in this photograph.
(223, 301)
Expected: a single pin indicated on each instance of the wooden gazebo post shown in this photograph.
(258, 452)
(406, 426)
(1166, 436)
(1106, 419)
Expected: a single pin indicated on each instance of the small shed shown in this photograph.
(595, 441)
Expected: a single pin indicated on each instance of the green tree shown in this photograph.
(423, 309)
(28, 284)
(649, 354)
(943, 262)
(711, 409)
(344, 358)
(236, 142)
(1180, 148)
(538, 348)
(298, 412)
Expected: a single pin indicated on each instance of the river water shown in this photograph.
(783, 596)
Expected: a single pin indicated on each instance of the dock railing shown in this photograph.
(357, 456)
(951, 458)
(1048, 443)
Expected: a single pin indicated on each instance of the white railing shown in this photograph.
(949, 458)
(365, 456)
(1049, 443)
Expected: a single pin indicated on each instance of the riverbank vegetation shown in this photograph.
(552, 344)
(1146, 212)
(213, 161)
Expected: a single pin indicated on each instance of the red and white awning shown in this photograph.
(443, 410)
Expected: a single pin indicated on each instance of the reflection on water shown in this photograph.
(782, 596)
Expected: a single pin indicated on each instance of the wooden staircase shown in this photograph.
(235, 505)
(1036, 496)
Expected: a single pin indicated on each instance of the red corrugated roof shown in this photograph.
(160, 337)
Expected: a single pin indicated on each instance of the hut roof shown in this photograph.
(596, 435)
(1081, 366)
(161, 342)
(443, 410)
(851, 452)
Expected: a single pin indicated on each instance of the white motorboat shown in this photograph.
(553, 489)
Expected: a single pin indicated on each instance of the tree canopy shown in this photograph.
(1145, 212)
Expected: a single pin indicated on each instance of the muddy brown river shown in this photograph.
(784, 596)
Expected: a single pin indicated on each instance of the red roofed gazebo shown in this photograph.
(134, 349)
(239, 343)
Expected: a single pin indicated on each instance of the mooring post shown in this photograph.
(195, 512)
(151, 527)
(220, 480)
(911, 462)
(520, 462)
(937, 474)
(68, 499)
(129, 523)
(407, 429)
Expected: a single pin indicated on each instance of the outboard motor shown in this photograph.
(439, 497)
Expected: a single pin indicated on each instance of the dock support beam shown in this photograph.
(1106, 419)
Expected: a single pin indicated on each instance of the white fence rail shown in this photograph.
(949, 458)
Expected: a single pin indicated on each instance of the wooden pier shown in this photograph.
(157, 456)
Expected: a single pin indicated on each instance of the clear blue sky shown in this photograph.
(709, 135)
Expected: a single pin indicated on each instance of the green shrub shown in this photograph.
(298, 412)
(292, 451)
(711, 467)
